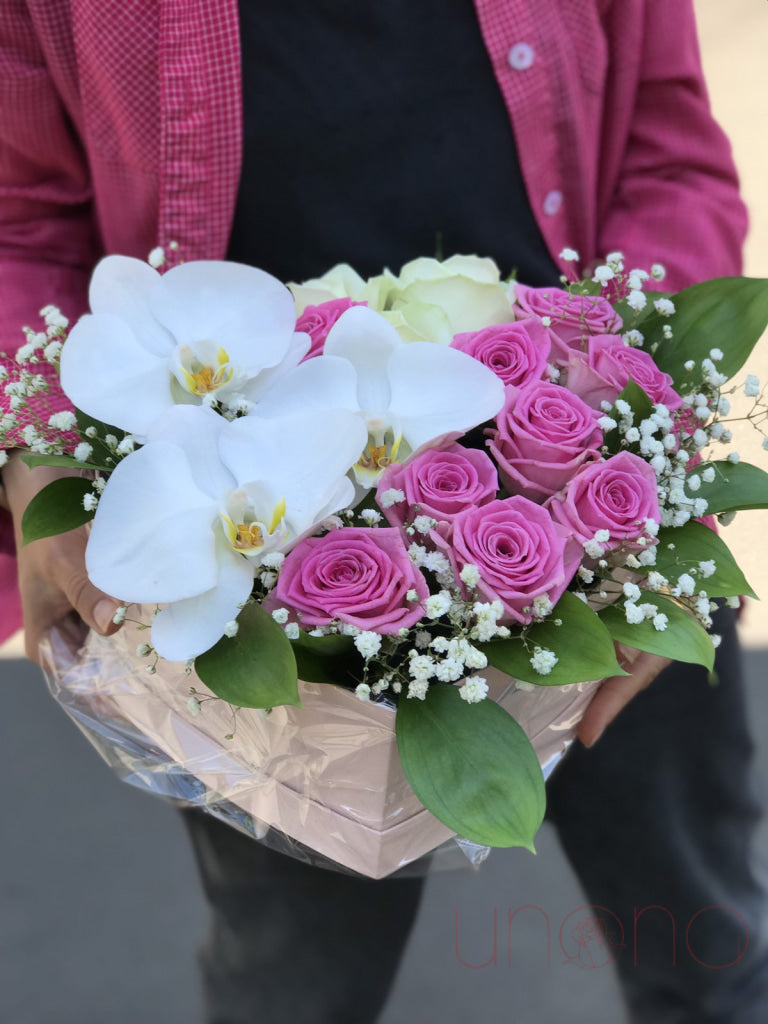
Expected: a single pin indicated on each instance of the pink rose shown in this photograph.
(617, 495)
(516, 352)
(439, 482)
(601, 374)
(574, 318)
(543, 435)
(359, 575)
(316, 321)
(520, 551)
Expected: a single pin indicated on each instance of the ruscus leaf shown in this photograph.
(582, 645)
(472, 766)
(683, 639)
(56, 509)
(256, 667)
(681, 549)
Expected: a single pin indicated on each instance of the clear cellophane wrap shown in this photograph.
(321, 782)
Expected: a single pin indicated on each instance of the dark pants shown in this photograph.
(658, 815)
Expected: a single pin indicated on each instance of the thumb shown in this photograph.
(94, 607)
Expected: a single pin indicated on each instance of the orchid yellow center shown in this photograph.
(205, 374)
(251, 535)
(380, 452)
(375, 456)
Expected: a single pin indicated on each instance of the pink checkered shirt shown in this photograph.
(120, 128)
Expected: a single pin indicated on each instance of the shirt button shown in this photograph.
(521, 56)
(552, 202)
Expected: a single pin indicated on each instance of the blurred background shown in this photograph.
(101, 912)
(733, 39)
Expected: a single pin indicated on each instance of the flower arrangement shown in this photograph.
(394, 484)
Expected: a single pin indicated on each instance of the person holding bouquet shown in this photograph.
(298, 136)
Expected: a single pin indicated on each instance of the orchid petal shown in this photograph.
(435, 393)
(106, 372)
(245, 310)
(197, 431)
(121, 285)
(303, 457)
(186, 628)
(368, 341)
(343, 496)
(258, 386)
(318, 384)
(152, 537)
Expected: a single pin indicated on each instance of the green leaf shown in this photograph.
(472, 766)
(102, 456)
(254, 669)
(641, 405)
(694, 543)
(683, 639)
(632, 319)
(583, 646)
(729, 313)
(736, 486)
(64, 461)
(326, 659)
(56, 509)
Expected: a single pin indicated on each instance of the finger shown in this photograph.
(94, 607)
(57, 594)
(614, 695)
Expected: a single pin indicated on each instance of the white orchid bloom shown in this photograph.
(186, 520)
(407, 393)
(205, 331)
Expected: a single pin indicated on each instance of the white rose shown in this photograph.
(340, 282)
(467, 289)
(417, 321)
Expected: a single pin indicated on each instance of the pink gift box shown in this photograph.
(326, 774)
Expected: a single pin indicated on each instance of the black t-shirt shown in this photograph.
(375, 133)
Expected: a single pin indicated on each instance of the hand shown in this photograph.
(618, 691)
(55, 589)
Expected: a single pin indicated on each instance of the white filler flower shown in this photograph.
(188, 519)
(205, 330)
(408, 393)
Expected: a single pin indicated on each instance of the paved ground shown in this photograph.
(101, 911)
